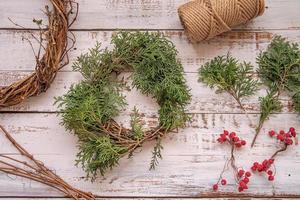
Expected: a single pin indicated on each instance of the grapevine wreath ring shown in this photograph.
(54, 58)
(89, 107)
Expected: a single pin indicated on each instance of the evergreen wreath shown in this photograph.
(89, 107)
(49, 58)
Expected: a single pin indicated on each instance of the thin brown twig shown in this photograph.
(37, 171)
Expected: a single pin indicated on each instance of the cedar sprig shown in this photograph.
(89, 107)
(136, 125)
(296, 101)
(279, 70)
(156, 154)
(226, 74)
(156, 72)
(102, 148)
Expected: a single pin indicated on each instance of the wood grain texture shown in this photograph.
(140, 14)
(245, 45)
(191, 161)
(204, 99)
(228, 198)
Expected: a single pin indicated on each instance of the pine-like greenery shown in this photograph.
(226, 74)
(279, 70)
(296, 101)
(89, 107)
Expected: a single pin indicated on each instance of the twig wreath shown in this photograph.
(54, 58)
(89, 107)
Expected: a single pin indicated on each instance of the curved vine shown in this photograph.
(55, 54)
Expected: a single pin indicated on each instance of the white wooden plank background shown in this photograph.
(192, 159)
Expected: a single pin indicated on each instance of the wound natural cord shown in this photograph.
(205, 19)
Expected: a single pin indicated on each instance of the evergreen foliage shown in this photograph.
(279, 70)
(296, 101)
(227, 75)
(89, 107)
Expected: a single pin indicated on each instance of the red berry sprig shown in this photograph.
(241, 177)
(284, 138)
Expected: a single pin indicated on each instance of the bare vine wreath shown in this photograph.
(55, 53)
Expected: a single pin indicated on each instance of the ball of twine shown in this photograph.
(205, 19)
(52, 59)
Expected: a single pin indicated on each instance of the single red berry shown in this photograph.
(226, 132)
(292, 130)
(280, 137)
(243, 184)
(243, 142)
(241, 172)
(246, 180)
(256, 164)
(270, 172)
(265, 163)
(254, 168)
(271, 178)
(281, 132)
(271, 161)
(241, 189)
(221, 140)
(223, 182)
(238, 145)
(288, 141)
(288, 135)
(215, 187)
(236, 139)
(232, 135)
(260, 168)
(248, 174)
(271, 133)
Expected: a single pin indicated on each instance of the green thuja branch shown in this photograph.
(156, 72)
(279, 70)
(136, 125)
(89, 107)
(227, 75)
(296, 101)
(156, 154)
(99, 154)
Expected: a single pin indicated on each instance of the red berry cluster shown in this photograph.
(232, 138)
(242, 177)
(284, 137)
(264, 167)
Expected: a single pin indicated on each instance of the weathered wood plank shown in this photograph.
(229, 198)
(140, 14)
(243, 45)
(191, 161)
(204, 99)
(16, 53)
(137, 198)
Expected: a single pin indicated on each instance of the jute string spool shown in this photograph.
(205, 19)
